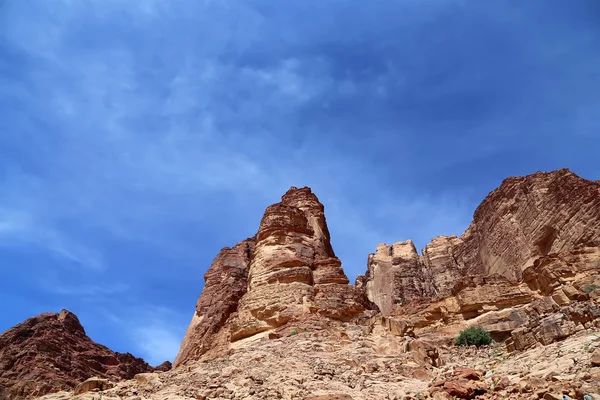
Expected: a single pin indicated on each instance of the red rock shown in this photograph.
(461, 388)
(51, 352)
(467, 373)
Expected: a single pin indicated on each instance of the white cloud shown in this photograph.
(156, 332)
(20, 228)
(157, 343)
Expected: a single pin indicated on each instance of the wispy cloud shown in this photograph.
(19, 228)
(156, 334)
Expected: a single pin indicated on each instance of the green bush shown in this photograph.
(590, 288)
(474, 335)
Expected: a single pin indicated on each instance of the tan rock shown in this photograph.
(425, 353)
(519, 221)
(398, 327)
(438, 257)
(286, 273)
(294, 270)
(92, 384)
(396, 275)
(595, 360)
(514, 228)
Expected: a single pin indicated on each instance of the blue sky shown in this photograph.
(139, 137)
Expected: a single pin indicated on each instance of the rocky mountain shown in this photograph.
(51, 352)
(277, 318)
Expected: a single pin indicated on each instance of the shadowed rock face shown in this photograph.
(52, 352)
(524, 219)
(226, 282)
(288, 271)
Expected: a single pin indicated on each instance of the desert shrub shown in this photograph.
(474, 335)
(590, 288)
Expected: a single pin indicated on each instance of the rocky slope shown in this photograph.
(367, 363)
(287, 273)
(51, 352)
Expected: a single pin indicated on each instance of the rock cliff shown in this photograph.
(527, 269)
(525, 219)
(52, 352)
(288, 272)
(226, 282)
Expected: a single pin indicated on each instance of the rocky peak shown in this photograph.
(289, 273)
(70, 322)
(51, 352)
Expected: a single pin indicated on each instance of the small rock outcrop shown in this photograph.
(396, 275)
(51, 352)
(287, 272)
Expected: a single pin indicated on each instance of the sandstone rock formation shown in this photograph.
(522, 268)
(286, 273)
(52, 352)
(524, 219)
(529, 217)
(278, 320)
(396, 274)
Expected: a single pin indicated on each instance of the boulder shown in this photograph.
(92, 384)
(595, 359)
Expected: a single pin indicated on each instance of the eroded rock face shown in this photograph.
(439, 259)
(288, 271)
(52, 352)
(525, 219)
(529, 217)
(396, 274)
(226, 282)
